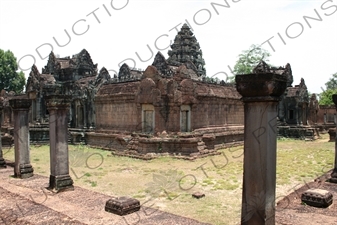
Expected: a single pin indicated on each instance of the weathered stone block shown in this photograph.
(317, 197)
(26, 171)
(60, 183)
(198, 195)
(122, 205)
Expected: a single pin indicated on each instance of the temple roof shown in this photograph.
(80, 64)
(299, 92)
(36, 81)
(186, 48)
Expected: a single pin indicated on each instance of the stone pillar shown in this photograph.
(296, 114)
(58, 106)
(22, 167)
(2, 161)
(261, 95)
(300, 115)
(85, 116)
(38, 109)
(333, 178)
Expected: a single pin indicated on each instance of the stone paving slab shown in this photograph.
(26, 201)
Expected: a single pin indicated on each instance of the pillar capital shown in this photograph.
(58, 101)
(261, 87)
(20, 103)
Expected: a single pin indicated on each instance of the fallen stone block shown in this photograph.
(198, 195)
(317, 198)
(122, 205)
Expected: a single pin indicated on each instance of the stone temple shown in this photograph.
(168, 108)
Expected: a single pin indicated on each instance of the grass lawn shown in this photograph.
(167, 183)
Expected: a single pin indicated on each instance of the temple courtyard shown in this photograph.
(164, 187)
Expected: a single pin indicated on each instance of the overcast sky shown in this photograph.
(302, 33)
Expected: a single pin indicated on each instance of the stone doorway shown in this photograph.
(148, 118)
(185, 118)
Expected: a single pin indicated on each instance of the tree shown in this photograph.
(332, 83)
(248, 59)
(325, 98)
(10, 80)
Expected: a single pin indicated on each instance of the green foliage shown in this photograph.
(325, 98)
(212, 80)
(248, 59)
(332, 83)
(10, 80)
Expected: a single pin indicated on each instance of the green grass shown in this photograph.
(170, 182)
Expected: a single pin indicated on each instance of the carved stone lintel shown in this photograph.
(26, 171)
(60, 183)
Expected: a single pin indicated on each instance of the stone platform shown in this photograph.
(190, 145)
(29, 202)
(298, 132)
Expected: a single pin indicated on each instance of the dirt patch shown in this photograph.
(26, 201)
(291, 211)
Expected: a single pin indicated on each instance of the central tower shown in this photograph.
(187, 49)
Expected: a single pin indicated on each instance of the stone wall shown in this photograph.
(117, 113)
(108, 141)
(119, 106)
(326, 114)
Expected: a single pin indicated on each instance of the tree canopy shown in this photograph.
(248, 59)
(10, 80)
(332, 83)
(325, 98)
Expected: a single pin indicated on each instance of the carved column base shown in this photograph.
(60, 183)
(333, 178)
(25, 171)
(2, 163)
